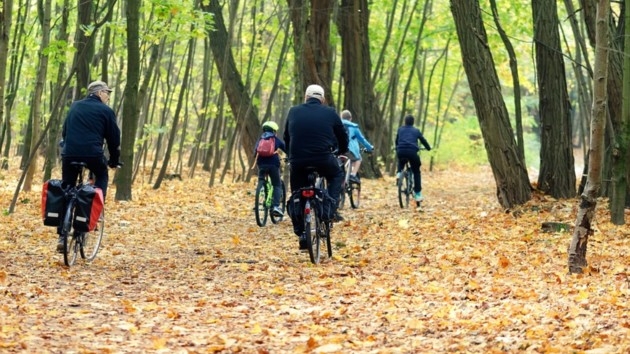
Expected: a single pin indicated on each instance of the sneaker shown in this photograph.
(418, 197)
(277, 212)
(398, 175)
(303, 244)
(337, 217)
(60, 244)
(354, 179)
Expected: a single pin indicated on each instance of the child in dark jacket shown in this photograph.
(407, 150)
(271, 165)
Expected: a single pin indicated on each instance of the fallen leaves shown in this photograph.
(191, 272)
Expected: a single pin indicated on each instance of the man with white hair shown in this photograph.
(313, 133)
(89, 124)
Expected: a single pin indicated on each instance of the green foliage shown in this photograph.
(463, 144)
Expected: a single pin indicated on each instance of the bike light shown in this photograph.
(308, 193)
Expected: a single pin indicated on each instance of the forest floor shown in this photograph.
(185, 269)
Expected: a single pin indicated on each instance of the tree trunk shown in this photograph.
(516, 84)
(509, 171)
(36, 103)
(84, 44)
(586, 211)
(245, 113)
(557, 171)
(356, 70)
(311, 42)
(178, 110)
(57, 92)
(131, 104)
(18, 49)
(6, 11)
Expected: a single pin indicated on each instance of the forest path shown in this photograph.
(186, 269)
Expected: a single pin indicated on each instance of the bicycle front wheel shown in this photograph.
(323, 231)
(260, 209)
(355, 194)
(70, 247)
(92, 240)
(402, 193)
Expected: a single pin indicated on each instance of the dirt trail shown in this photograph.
(185, 269)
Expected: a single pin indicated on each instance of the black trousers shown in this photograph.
(98, 166)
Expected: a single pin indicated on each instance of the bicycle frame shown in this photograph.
(75, 241)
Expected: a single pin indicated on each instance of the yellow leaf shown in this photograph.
(350, 282)
(159, 343)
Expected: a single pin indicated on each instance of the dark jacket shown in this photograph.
(407, 139)
(313, 131)
(270, 160)
(90, 123)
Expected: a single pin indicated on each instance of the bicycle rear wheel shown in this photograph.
(342, 196)
(355, 194)
(92, 240)
(409, 182)
(70, 246)
(310, 232)
(260, 209)
(283, 204)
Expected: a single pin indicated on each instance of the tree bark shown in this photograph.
(516, 84)
(177, 114)
(6, 13)
(36, 103)
(509, 171)
(245, 113)
(356, 70)
(557, 171)
(586, 212)
(311, 42)
(131, 104)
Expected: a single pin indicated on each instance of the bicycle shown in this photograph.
(316, 230)
(348, 186)
(405, 186)
(263, 202)
(78, 242)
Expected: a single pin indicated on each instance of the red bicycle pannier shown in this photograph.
(53, 201)
(88, 208)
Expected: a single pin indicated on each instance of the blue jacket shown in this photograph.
(355, 137)
(407, 139)
(90, 123)
(269, 160)
(313, 131)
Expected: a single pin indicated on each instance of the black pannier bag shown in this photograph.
(53, 202)
(295, 208)
(323, 204)
(88, 208)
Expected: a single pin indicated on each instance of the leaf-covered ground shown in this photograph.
(185, 269)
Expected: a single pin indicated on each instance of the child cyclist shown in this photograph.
(271, 164)
(407, 149)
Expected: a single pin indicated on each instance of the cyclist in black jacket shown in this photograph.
(407, 149)
(313, 131)
(89, 123)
